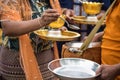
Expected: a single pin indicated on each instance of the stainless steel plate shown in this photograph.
(74, 69)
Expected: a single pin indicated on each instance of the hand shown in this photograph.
(96, 38)
(49, 16)
(69, 13)
(100, 14)
(108, 72)
(63, 28)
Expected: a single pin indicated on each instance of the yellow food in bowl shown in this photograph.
(59, 23)
(92, 8)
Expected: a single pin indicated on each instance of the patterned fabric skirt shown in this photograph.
(10, 68)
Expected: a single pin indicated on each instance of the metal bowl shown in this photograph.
(79, 44)
(74, 69)
(92, 8)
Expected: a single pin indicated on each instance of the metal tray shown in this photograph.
(86, 20)
(65, 35)
(74, 69)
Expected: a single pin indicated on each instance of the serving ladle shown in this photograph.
(70, 25)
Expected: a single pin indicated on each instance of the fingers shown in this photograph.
(108, 72)
(50, 15)
(63, 28)
(84, 38)
(51, 11)
(99, 70)
(69, 13)
(53, 15)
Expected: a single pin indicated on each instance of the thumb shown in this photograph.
(99, 70)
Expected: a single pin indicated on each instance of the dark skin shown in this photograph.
(100, 14)
(109, 72)
(69, 13)
(9, 27)
(96, 38)
(16, 28)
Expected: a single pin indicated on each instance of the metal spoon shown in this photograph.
(74, 27)
(70, 25)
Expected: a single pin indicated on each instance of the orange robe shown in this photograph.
(111, 38)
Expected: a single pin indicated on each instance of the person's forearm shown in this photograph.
(16, 28)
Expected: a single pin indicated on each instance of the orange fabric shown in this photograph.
(11, 11)
(111, 38)
(56, 5)
(29, 61)
(32, 72)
